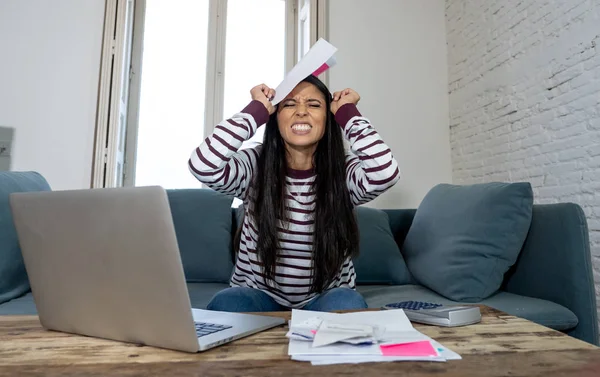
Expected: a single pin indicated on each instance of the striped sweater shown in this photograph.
(220, 164)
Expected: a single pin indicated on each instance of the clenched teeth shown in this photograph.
(301, 127)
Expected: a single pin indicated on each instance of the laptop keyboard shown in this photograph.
(203, 329)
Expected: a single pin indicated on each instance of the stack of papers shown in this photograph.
(387, 335)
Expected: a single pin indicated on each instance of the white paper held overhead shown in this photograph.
(319, 55)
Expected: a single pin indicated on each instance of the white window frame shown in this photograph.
(107, 135)
(215, 65)
(110, 138)
(135, 86)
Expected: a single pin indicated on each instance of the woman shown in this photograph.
(299, 187)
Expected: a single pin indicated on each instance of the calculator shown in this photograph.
(437, 314)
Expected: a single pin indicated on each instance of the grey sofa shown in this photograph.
(551, 283)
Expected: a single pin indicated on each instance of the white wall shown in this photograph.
(49, 74)
(393, 53)
(525, 99)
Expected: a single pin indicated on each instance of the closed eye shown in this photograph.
(311, 103)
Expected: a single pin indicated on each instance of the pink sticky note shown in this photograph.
(422, 348)
(321, 69)
(328, 64)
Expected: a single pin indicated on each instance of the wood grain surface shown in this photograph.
(501, 345)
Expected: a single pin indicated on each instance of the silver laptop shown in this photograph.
(105, 263)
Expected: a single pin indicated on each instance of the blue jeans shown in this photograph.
(243, 299)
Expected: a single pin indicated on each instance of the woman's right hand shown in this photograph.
(264, 94)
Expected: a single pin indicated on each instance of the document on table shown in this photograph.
(376, 336)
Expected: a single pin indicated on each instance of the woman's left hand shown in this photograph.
(344, 97)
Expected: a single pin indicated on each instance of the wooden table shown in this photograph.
(501, 345)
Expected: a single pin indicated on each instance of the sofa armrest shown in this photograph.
(13, 275)
(555, 265)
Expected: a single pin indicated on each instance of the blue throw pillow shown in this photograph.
(13, 277)
(463, 239)
(380, 260)
(203, 225)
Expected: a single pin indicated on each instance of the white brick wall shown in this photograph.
(524, 87)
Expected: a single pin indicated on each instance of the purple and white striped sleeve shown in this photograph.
(219, 163)
(371, 168)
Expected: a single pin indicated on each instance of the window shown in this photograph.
(255, 49)
(191, 64)
(171, 106)
(255, 52)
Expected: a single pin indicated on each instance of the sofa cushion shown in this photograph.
(238, 216)
(13, 277)
(202, 219)
(379, 260)
(463, 239)
(545, 313)
(23, 305)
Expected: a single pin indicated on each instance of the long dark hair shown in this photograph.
(335, 228)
